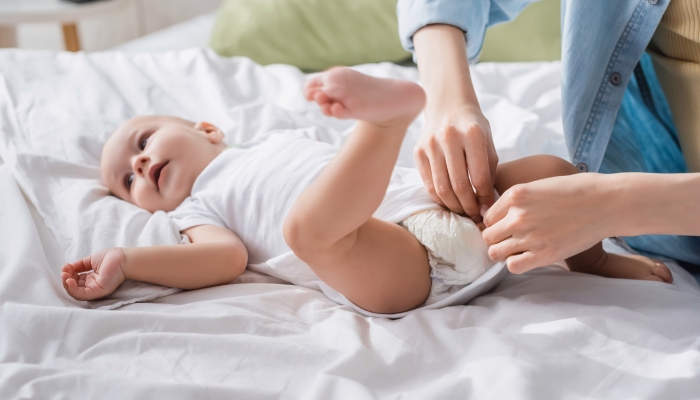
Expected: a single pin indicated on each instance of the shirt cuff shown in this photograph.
(471, 16)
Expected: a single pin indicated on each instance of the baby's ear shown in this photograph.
(214, 134)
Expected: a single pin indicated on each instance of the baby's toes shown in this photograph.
(339, 111)
(312, 87)
(310, 92)
(661, 271)
(326, 109)
(321, 98)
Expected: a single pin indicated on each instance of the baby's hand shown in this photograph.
(95, 276)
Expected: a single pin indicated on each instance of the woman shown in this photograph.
(616, 120)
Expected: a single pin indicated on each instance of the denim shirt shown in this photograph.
(602, 41)
(615, 116)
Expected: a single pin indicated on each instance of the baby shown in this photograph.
(347, 213)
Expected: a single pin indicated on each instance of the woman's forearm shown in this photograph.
(443, 66)
(455, 154)
(188, 266)
(662, 204)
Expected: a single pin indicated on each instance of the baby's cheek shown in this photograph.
(143, 198)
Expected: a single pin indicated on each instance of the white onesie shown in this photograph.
(250, 189)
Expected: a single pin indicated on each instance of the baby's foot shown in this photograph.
(629, 266)
(344, 93)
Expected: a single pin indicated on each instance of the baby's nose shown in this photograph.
(141, 165)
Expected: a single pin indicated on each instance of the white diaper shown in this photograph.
(456, 251)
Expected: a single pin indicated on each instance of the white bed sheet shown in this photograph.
(545, 334)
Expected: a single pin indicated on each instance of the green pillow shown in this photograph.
(535, 35)
(310, 34)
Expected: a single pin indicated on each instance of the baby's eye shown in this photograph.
(128, 180)
(143, 142)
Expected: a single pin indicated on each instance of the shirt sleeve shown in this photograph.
(194, 212)
(471, 16)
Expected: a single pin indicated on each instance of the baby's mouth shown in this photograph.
(156, 172)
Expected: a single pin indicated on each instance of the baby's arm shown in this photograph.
(216, 256)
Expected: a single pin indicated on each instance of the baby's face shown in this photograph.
(153, 161)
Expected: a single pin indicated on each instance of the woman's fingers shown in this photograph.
(426, 174)
(550, 219)
(497, 232)
(441, 181)
(459, 180)
(523, 262)
(516, 254)
(456, 143)
(497, 211)
(476, 147)
(506, 248)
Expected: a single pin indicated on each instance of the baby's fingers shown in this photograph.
(74, 288)
(67, 269)
(76, 267)
(64, 277)
(79, 292)
(71, 286)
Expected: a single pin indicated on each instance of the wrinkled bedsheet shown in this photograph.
(545, 334)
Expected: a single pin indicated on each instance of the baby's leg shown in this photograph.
(376, 264)
(594, 260)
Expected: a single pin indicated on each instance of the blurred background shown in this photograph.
(240, 27)
(132, 19)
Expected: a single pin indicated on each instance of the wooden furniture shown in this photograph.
(14, 12)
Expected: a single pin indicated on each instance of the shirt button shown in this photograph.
(652, 2)
(615, 78)
(582, 167)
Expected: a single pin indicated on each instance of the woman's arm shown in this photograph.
(552, 219)
(455, 151)
(654, 204)
(216, 256)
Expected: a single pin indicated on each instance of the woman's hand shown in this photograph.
(546, 221)
(95, 276)
(455, 151)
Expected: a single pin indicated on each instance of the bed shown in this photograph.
(545, 334)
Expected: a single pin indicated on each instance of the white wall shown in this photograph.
(99, 33)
